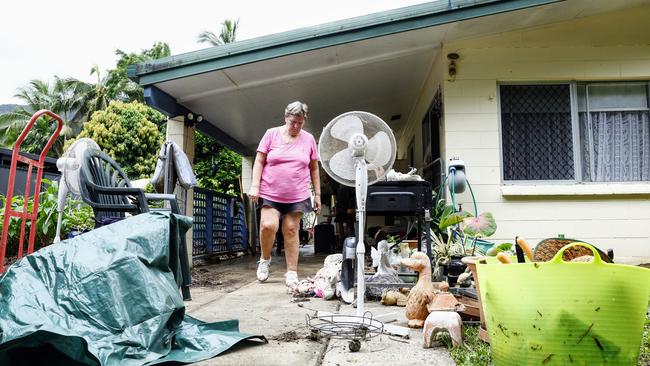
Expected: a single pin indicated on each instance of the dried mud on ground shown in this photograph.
(290, 336)
(227, 274)
(224, 274)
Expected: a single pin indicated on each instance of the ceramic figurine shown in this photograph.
(422, 293)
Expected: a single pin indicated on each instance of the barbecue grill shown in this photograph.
(405, 198)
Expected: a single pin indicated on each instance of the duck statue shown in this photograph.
(422, 293)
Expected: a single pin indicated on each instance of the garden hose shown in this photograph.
(453, 193)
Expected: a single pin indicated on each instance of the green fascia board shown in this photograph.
(321, 36)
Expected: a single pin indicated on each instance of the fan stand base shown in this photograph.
(384, 318)
(347, 296)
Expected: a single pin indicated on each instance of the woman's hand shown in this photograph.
(317, 203)
(254, 194)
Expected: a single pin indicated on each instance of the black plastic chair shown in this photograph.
(106, 188)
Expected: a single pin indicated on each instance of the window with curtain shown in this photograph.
(614, 132)
(591, 132)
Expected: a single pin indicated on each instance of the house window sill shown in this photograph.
(596, 189)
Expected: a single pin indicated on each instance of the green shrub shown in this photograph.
(128, 133)
(76, 216)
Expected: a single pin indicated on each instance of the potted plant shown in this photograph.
(447, 253)
(476, 228)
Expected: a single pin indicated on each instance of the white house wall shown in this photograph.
(413, 127)
(610, 47)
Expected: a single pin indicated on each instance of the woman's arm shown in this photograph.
(258, 166)
(315, 181)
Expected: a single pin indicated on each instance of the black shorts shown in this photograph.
(285, 208)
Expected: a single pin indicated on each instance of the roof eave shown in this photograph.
(326, 35)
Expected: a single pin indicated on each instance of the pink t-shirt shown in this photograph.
(286, 176)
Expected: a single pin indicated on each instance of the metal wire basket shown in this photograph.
(340, 326)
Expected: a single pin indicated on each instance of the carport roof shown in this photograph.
(320, 36)
(376, 62)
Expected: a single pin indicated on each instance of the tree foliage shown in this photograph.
(74, 100)
(119, 86)
(216, 166)
(227, 34)
(40, 95)
(90, 97)
(128, 132)
(76, 216)
(115, 85)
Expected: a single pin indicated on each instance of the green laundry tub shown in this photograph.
(495, 260)
(561, 313)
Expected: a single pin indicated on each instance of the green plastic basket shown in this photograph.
(495, 260)
(561, 313)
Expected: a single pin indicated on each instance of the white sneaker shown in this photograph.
(291, 278)
(263, 269)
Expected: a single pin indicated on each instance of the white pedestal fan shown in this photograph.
(70, 165)
(357, 149)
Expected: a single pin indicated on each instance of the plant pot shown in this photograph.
(471, 264)
(452, 269)
(413, 244)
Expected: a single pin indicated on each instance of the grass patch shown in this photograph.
(644, 356)
(474, 352)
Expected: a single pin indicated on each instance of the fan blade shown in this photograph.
(342, 164)
(378, 151)
(346, 126)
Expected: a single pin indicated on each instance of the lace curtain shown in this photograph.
(615, 146)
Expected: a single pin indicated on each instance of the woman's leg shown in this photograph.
(268, 227)
(290, 227)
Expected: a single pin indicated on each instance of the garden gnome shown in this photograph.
(422, 293)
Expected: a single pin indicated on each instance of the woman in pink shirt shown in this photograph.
(285, 165)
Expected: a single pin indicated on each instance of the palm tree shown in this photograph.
(39, 94)
(74, 100)
(227, 35)
(87, 97)
(115, 85)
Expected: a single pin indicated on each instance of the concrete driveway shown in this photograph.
(266, 308)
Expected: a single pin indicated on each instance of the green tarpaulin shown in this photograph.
(106, 297)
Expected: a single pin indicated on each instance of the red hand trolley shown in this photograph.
(24, 215)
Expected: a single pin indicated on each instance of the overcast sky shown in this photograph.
(43, 38)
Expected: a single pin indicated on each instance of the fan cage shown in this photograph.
(328, 146)
(70, 177)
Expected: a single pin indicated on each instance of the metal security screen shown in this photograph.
(536, 132)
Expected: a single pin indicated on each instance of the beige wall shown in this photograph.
(413, 127)
(247, 172)
(612, 47)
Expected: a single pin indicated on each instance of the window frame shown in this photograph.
(575, 127)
